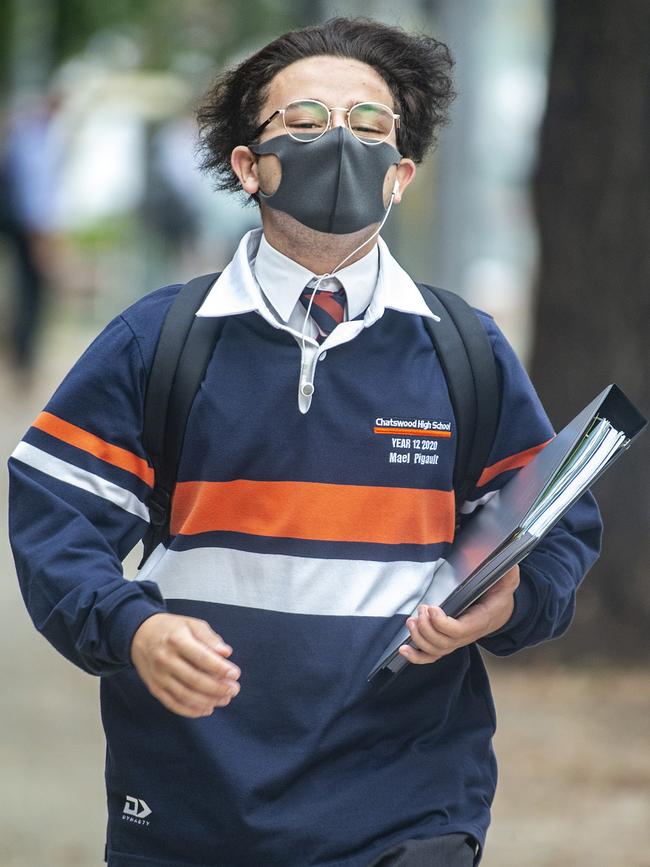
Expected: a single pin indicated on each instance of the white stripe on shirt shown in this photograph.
(65, 472)
(295, 585)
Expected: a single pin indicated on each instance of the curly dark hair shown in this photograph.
(416, 68)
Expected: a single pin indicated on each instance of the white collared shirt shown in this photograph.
(282, 281)
(237, 291)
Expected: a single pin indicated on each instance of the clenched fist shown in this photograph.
(184, 664)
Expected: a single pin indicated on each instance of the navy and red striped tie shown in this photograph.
(328, 307)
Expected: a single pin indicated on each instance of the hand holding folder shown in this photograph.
(512, 523)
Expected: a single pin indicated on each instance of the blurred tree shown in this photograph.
(5, 38)
(592, 196)
(166, 28)
(46, 32)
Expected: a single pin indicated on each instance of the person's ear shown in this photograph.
(244, 165)
(403, 177)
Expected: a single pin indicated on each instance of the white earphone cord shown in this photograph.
(343, 261)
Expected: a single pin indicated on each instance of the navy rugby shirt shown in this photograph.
(304, 539)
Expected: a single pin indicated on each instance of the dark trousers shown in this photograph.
(452, 850)
(29, 295)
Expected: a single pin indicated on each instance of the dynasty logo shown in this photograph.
(136, 810)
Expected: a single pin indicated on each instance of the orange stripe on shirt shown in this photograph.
(514, 462)
(311, 510)
(87, 442)
(410, 431)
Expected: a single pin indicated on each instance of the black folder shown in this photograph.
(511, 524)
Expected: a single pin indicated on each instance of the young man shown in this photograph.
(240, 726)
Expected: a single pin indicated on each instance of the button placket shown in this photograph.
(306, 388)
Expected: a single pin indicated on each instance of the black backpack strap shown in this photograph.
(468, 362)
(185, 346)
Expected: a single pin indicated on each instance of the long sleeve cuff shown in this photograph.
(511, 636)
(125, 620)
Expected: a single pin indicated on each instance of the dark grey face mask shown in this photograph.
(334, 184)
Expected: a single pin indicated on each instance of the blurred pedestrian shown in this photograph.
(30, 161)
(171, 206)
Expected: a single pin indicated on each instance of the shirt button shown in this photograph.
(307, 389)
(322, 356)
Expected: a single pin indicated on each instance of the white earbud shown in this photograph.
(395, 188)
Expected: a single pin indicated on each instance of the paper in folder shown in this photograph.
(510, 524)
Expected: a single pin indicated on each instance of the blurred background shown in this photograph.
(535, 206)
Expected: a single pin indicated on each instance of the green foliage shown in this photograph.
(5, 30)
(163, 30)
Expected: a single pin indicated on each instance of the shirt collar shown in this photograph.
(396, 290)
(237, 290)
(283, 280)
